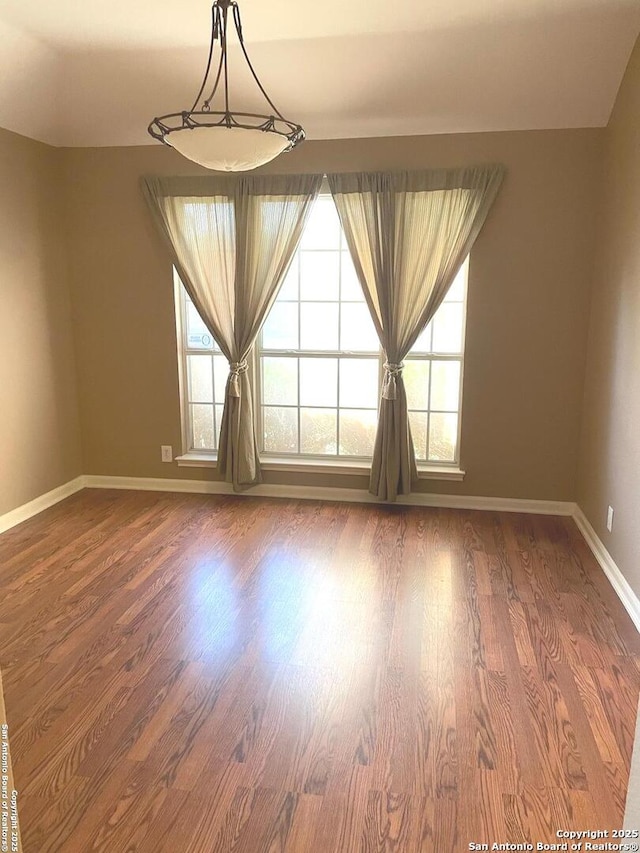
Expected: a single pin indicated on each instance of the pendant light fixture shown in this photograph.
(224, 139)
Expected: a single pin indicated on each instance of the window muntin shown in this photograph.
(319, 364)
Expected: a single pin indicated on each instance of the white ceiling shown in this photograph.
(98, 24)
(342, 69)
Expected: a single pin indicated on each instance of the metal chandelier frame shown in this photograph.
(162, 126)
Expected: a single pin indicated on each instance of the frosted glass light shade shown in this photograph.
(227, 149)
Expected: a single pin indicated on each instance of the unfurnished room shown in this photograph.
(319, 426)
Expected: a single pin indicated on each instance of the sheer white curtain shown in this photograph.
(408, 234)
(232, 241)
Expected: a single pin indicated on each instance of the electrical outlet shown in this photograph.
(167, 452)
(610, 519)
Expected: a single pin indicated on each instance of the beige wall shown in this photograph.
(610, 453)
(39, 436)
(527, 314)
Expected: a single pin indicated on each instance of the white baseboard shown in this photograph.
(617, 580)
(28, 510)
(213, 487)
(216, 487)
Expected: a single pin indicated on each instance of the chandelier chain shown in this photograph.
(223, 45)
(211, 44)
(238, 23)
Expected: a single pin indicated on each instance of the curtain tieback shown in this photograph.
(391, 373)
(236, 368)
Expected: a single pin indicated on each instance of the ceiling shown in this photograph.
(98, 24)
(94, 72)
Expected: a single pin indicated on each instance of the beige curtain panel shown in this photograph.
(232, 241)
(408, 234)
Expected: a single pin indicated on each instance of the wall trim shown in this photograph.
(272, 490)
(627, 596)
(22, 513)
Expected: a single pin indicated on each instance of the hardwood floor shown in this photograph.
(216, 675)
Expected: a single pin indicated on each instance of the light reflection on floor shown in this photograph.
(298, 609)
(214, 628)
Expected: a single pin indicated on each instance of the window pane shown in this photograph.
(418, 424)
(202, 421)
(445, 385)
(357, 331)
(416, 383)
(351, 289)
(447, 328)
(318, 381)
(359, 382)
(280, 330)
(289, 289)
(319, 326)
(357, 432)
(456, 291)
(423, 344)
(198, 336)
(322, 230)
(280, 429)
(319, 275)
(280, 381)
(220, 375)
(318, 430)
(443, 435)
(200, 379)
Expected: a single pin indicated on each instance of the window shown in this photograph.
(318, 365)
(204, 372)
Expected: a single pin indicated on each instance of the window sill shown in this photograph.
(307, 466)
